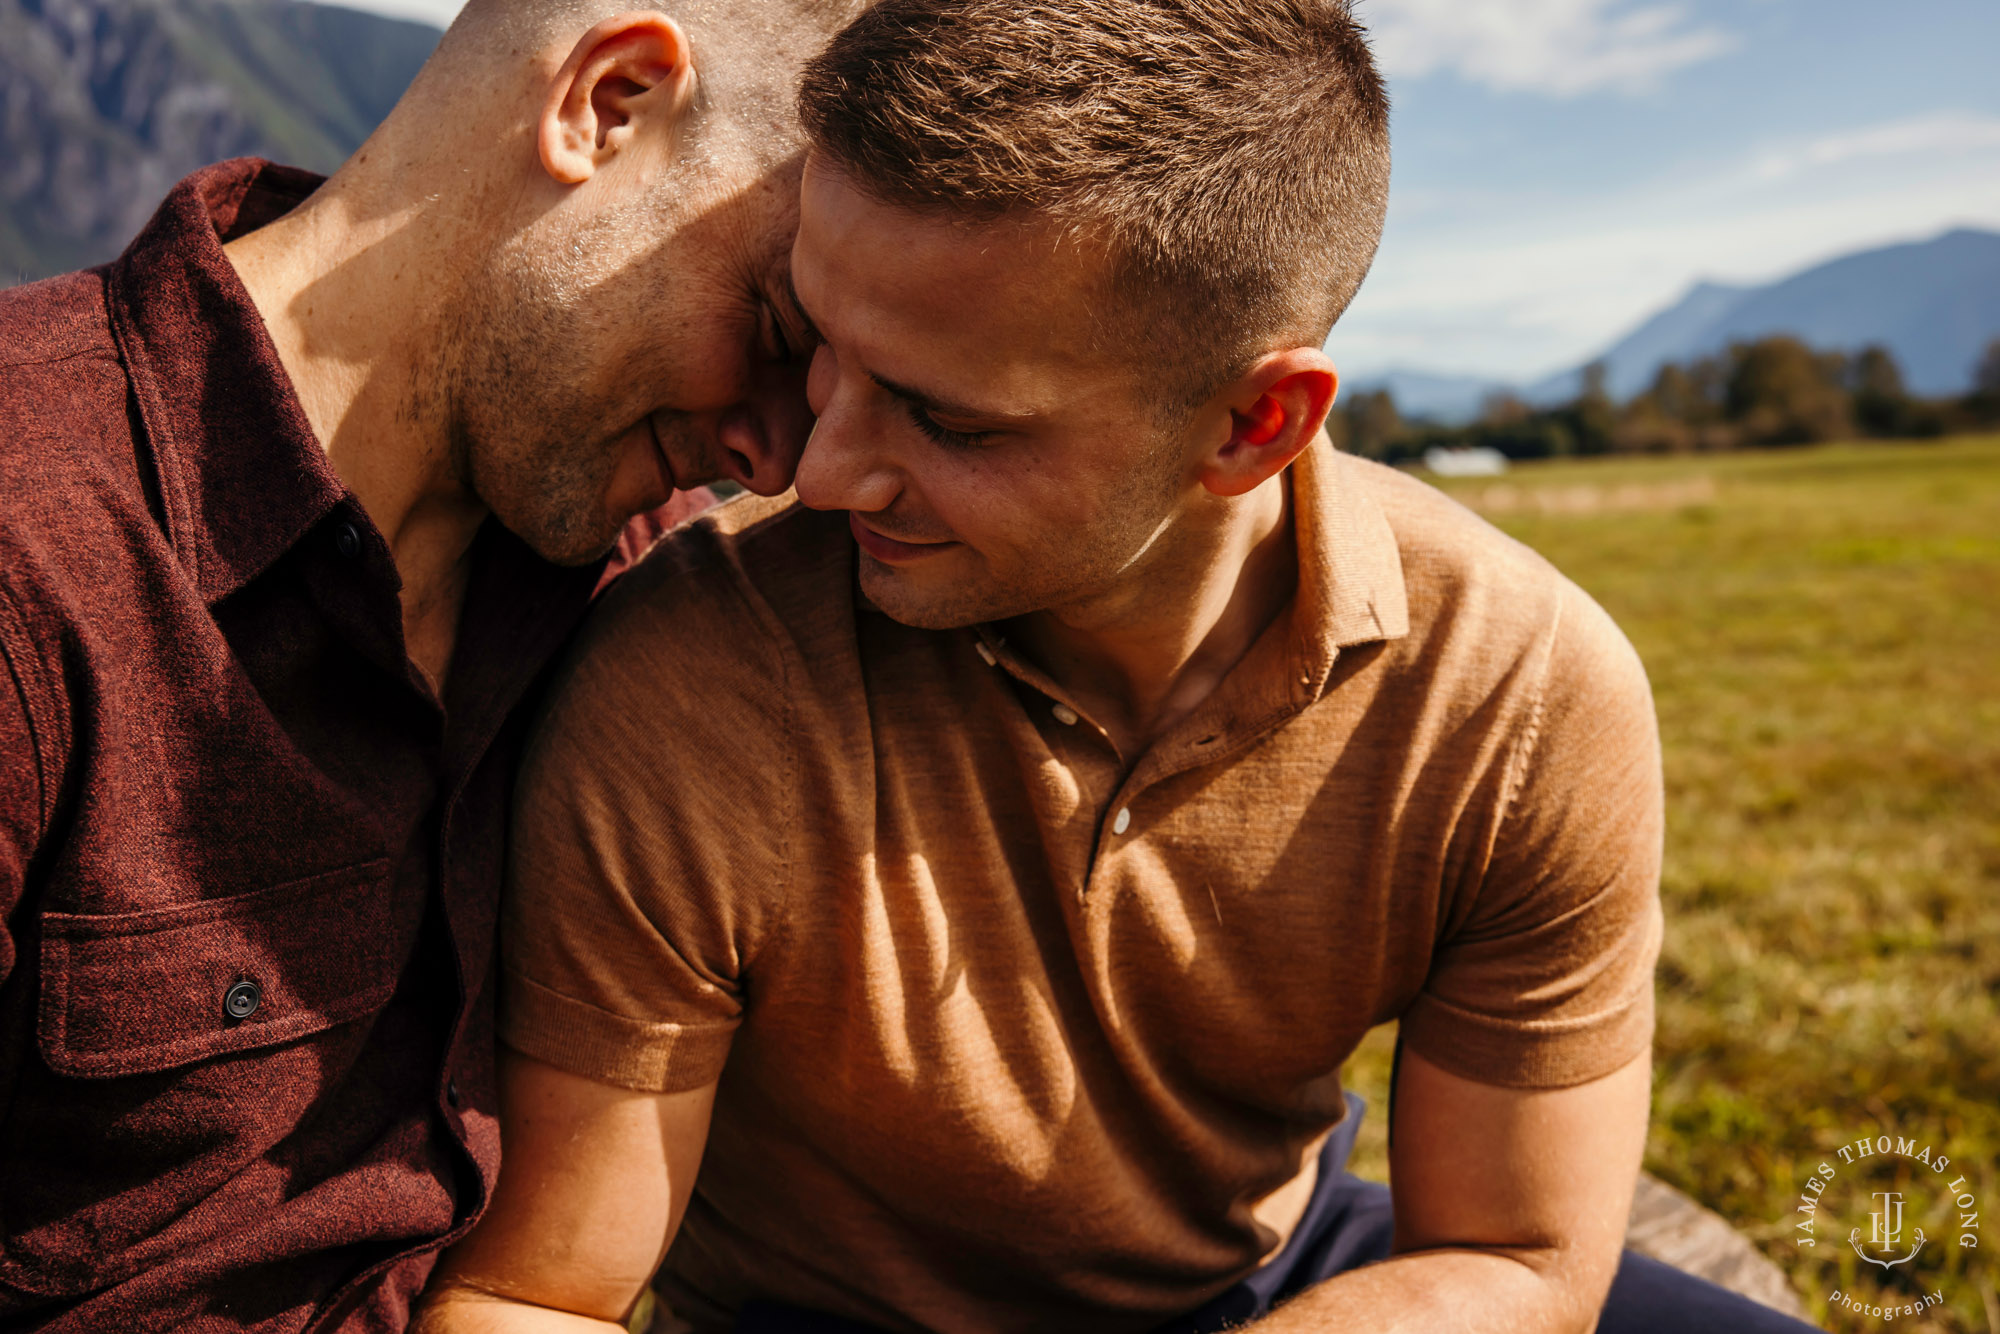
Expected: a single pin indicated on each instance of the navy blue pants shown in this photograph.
(1348, 1224)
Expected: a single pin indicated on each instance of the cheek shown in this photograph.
(681, 365)
(720, 365)
(1007, 501)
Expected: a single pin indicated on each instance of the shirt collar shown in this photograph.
(1350, 569)
(241, 476)
(1350, 591)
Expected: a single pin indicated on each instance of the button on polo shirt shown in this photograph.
(1022, 1034)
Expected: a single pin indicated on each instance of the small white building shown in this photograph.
(1473, 461)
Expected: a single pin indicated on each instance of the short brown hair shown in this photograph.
(1232, 154)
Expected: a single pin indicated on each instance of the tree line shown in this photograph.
(1774, 391)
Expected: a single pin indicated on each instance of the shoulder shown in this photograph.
(1473, 587)
(752, 581)
(752, 550)
(60, 370)
(72, 489)
(67, 430)
(57, 319)
(720, 631)
(1454, 562)
(687, 709)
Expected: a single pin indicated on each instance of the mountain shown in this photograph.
(104, 104)
(1449, 400)
(1934, 304)
(1663, 338)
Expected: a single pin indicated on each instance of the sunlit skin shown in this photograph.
(674, 342)
(520, 299)
(1000, 460)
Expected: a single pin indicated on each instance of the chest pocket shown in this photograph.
(130, 993)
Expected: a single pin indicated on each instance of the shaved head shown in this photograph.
(747, 52)
(600, 197)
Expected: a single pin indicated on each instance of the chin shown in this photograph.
(898, 596)
(559, 507)
(569, 538)
(576, 557)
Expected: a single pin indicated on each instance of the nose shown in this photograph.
(842, 467)
(761, 439)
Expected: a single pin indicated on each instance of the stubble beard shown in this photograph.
(1083, 569)
(534, 449)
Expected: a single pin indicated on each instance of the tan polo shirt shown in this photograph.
(1013, 1034)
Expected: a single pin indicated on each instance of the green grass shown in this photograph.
(1822, 628)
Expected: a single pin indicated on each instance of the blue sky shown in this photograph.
(1567, 167)
(1564, 168)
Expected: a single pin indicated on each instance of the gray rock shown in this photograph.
(1671, 1228)
(104, 104)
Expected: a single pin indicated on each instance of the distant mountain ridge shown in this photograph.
(1934, 304)
(104, 104)
(1451, 400)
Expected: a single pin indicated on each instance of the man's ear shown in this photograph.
(1274, 412)
(632, 69)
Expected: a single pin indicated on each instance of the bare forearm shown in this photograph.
(467, 1312)
(597, 1179)
(1467, 1292)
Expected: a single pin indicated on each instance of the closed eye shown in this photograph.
(806, 337)
(781, 346)
(944, 435)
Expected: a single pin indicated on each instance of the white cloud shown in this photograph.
(1559, 48)
(1945, 133)
(437, 13)
(1514, 288)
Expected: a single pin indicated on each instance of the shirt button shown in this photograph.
(347, 540)
(1065, 715)
(451, 1091)
(1123, 821)
(242, 999)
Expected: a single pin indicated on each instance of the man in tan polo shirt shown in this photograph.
(1030, 822)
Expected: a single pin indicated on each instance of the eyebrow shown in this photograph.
(915, 397)
(943, 406)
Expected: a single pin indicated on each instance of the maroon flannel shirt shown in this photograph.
(249, 861)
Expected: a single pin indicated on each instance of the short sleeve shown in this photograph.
(650, 829)
(1548, 982)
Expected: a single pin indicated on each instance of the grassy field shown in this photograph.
(1822, 627)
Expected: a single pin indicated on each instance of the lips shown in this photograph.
(889, 550)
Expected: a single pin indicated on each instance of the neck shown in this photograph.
(354, 287)
(1143, 657)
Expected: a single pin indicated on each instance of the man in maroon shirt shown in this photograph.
(300, 494)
